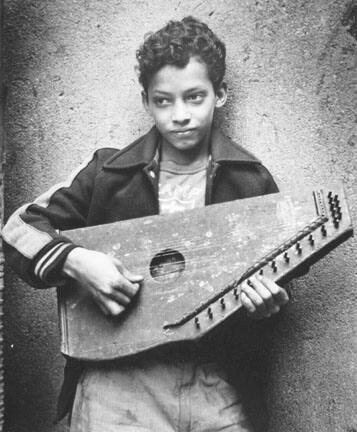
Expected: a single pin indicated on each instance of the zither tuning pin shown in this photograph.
(197, 322)
(286, 257)
(298, 248)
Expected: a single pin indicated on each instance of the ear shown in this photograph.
(145, 101)
(221, 95)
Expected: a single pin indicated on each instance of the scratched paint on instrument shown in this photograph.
(218, 243)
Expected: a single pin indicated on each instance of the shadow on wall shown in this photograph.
(24, 31)
(350, 19)
(33, 366)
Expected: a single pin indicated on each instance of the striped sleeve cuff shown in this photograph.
(49, 263)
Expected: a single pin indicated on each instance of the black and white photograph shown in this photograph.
(178, 201)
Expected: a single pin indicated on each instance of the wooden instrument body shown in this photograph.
(190, 260)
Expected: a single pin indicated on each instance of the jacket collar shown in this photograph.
(143, 150)
(224, 150)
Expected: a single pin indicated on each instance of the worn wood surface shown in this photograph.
(193, 262)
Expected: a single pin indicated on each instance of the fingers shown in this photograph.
(132, 277)
(121, 291)
(126, 273)
(262, 297)
(116, 294)
(249, 305)
(106, 305)
(257, 304)
(126, 282)
(279, 293)
(122, 285)
(114, 298)
(111, 285)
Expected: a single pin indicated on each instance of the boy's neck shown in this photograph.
(196, 155)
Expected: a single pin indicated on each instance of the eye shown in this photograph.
(195, 97)
(161, 101)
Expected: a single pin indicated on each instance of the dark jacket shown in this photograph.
(112, 186)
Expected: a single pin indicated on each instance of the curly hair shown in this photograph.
(175, 44)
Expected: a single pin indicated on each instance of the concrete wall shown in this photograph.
(2, 145)
(292, 78)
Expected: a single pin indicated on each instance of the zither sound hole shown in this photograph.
(167, 265)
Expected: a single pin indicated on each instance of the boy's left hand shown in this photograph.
(262, 297)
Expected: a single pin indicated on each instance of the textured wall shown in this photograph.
(2, 145)
(292, 78)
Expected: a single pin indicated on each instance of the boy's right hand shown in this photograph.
(109, 282)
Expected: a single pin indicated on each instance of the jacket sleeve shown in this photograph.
(33, 244)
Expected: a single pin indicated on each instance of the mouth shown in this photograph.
(183, 132)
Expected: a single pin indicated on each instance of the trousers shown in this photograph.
(160, 396)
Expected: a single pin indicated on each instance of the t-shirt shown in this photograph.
(181, 187)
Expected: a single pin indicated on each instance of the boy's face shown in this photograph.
(182, 101)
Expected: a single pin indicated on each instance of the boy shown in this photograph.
(183, 162)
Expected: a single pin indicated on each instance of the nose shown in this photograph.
(180, 113)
